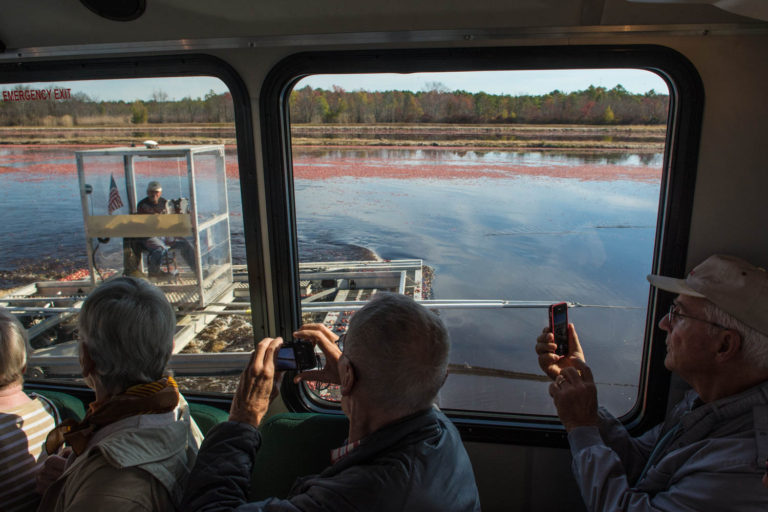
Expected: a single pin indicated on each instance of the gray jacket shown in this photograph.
(713, 459)
(137, 464)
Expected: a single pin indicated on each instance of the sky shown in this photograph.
(497, 82)
(492, 82)
(132, 89)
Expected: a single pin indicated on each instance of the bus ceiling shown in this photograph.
(28, 33)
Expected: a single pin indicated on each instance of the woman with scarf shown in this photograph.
(137, 442)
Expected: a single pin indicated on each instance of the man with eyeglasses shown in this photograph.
(710, 452)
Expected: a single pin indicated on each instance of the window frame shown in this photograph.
(168, 67)
(673, 220)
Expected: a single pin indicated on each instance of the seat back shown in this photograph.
(207, 416)
(69, 407)
(294, 445)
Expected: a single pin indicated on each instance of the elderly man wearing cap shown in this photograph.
(158, 247)
(709, 453)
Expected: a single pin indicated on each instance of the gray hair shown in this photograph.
(128, 326)
(14, 344)
(754, 344)
(399, 350)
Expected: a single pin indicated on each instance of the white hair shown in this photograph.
(127, 325)
(399, 350)
(14, 345)
(754, 344)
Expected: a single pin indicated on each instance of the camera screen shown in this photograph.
(286, 359)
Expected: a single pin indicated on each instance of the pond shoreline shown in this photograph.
(510, 137)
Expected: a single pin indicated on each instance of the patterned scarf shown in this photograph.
(152, 398)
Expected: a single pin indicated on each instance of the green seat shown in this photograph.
(207, 416)
(294, 445)
(69, 407)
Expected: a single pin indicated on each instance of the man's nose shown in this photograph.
(664, 324)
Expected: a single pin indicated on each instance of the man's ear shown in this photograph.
(86, 363)
(729, 345)
(346, 375)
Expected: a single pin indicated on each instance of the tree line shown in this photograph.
(435, 104)
(80, 110)
(594, 105)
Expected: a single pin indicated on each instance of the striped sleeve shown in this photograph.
(22, 434)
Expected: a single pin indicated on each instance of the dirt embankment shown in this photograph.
(634, 138)
(649, 138)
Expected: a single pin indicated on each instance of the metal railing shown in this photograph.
(218, 363)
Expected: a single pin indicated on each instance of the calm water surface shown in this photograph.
(493, 224)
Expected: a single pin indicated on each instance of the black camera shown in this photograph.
(296, 355)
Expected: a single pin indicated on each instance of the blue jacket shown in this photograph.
(713, 458)
(415, 464)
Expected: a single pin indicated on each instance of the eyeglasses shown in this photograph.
(674, 314)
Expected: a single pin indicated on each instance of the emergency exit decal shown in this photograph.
(37, 94)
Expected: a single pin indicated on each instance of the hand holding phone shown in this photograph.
(558, 324)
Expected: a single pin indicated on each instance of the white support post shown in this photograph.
(196, 233)
(221, 170)
(84, 201)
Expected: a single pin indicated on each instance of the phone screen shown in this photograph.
(559, 318)
(286, 359)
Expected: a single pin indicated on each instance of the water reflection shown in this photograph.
(502, 235)
(480, 156)
(494, 225)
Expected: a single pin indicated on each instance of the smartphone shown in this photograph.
(558, 323)
(296, 355)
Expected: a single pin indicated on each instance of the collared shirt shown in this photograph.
(342, 451)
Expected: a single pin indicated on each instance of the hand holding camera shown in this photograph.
(257, 387)
(296, 355)
(325, 339)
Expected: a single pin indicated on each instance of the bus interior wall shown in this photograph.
(728, 211)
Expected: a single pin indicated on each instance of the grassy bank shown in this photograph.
(632, 138)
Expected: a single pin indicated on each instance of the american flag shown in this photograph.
(114, 196)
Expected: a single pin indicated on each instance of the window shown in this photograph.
(488, 194)
(80, 159)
